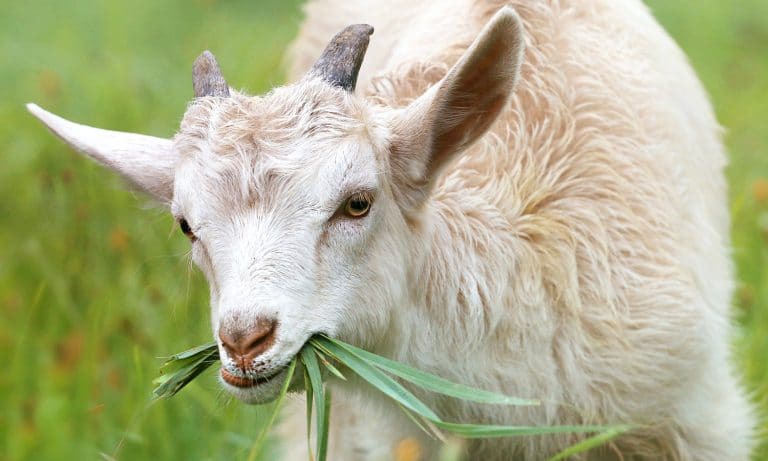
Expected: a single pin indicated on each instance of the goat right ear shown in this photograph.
(457, 110)
(145, 161)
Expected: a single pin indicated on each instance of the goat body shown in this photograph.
(578, 252)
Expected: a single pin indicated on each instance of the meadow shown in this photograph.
(95, 282)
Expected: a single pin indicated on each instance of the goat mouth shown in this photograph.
(245, 382)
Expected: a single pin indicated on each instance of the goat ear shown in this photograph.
(146, 161)
(457, 110)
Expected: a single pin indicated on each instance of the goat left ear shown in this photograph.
(147, 162)
(459, 109)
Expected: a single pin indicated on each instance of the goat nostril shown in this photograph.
(257, 339)
(229, 342)
(251, 343)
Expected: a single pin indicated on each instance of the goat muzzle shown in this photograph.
(243, 346)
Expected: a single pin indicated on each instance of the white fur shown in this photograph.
(575, 251)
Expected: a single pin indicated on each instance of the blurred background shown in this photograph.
(95, 283)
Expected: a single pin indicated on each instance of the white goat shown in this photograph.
(568, 243)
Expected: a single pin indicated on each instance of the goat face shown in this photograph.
(305, 207)
(290, 210)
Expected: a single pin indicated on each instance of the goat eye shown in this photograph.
(184, 225)
(358, 205)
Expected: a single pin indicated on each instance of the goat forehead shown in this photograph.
(303, 139)
(313, 171)
(307, 110)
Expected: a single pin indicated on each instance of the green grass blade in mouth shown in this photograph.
(174, 383)
(327, 363)
(180, 369)
(431, 382)
(426, 426)
(195, 352)
(485, 431)
(322, 443)
(590, 443)
(310, 398)
(309, 359)
(376, 378)
(358, 360)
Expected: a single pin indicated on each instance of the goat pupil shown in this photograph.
(359, 204)
(185, 226)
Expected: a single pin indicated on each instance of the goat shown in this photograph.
(526, 197)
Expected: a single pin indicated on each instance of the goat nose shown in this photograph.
(243, 346)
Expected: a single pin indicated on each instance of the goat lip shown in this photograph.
(246, 382)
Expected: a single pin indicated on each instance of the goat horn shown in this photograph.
(340, 62)
(207, 79)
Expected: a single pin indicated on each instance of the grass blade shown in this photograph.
(310, 398)
(311, 365)
(258, 444)
(195, 351)
(376, 378)
(322, 443)
(173, 383)
(590, 443)
(327, 363)
(431, 382)
(415, 419)
(180, 369)
(482, 431)
(427, 426)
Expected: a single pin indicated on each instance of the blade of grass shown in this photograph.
(590, 443)
(170, 369)
(373, 369)
(180, 369)
(259, 442)
(482, 431)
(415, 419)
(327, 363)
(323, 442)
(189, 353)
(171, 383)
(376, 378)
(358, 364)
(172, 365)
(431, 382)
(424, 424)
(308, 391)
(309, 359)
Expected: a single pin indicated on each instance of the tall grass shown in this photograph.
(95, 284)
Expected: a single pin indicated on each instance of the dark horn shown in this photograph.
(206, 77)
(341, 60)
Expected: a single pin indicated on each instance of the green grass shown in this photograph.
(95, 284)
(381, 374)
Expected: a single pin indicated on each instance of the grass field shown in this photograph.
(95, 284)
